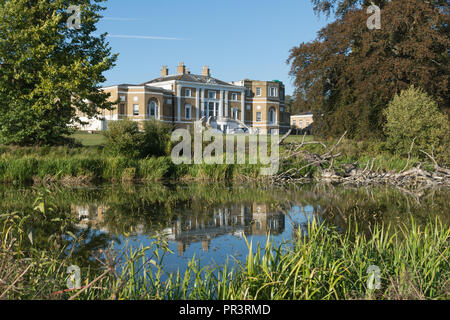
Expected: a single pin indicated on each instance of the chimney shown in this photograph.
(206, 72)
(164, 71)
(181, 69)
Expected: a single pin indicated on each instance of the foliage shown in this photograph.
(156, 139)
(47, 70)
(349, 73)
(123, 139)
(413, 115)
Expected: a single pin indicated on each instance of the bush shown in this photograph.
(123, 138)
(156, 139)
(415, 115)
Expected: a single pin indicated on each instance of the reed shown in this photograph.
(322, 263)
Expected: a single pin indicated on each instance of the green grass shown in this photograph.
(91, 162)
(89, 140)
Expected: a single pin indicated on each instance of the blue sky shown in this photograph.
(237, 38)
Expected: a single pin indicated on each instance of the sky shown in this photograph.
(237, 39)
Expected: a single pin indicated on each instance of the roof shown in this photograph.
(139, 85)
(190, 78)
(302, 114)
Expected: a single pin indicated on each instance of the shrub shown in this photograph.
(123, 139)
(415, 115)
(156, 139)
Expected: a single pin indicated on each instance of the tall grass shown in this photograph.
(322, 263)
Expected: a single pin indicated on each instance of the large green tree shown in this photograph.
(348, 75)
(47, 69)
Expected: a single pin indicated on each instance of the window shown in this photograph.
(272, 115)
(281, 109)
(234, 96)
(188, 93)
(235, 113)
(169, 101)
(249, 107)
(212, 94)
(248, 92)
(293, 123)
(122, 98)
(153, 110)
(258, 92)
(273, 92)
(187, 111)
(135, 109)
(258, 117)
(213, 109)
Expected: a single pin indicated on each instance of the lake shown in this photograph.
(213, 221)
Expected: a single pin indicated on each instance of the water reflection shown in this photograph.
(210, 220)
(236, 219)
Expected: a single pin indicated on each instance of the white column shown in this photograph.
(202, 102)
(221, 104)
(179, 102)
(243, 106)
(226, 103)
(197, 102)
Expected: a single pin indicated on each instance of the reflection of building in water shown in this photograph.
(237, 220)
(90, 215)
(254, 219)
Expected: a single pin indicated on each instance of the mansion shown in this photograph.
(183, 98)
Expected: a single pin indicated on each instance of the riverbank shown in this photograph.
(344, 161)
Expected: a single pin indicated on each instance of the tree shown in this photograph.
(288, 101)
(414, 116)
(348, 75)
(47, 70)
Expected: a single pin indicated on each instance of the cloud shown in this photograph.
(128, 36)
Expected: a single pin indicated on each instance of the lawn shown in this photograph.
(89, 139)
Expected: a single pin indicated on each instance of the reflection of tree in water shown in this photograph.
(198, 212)
(52, 227)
